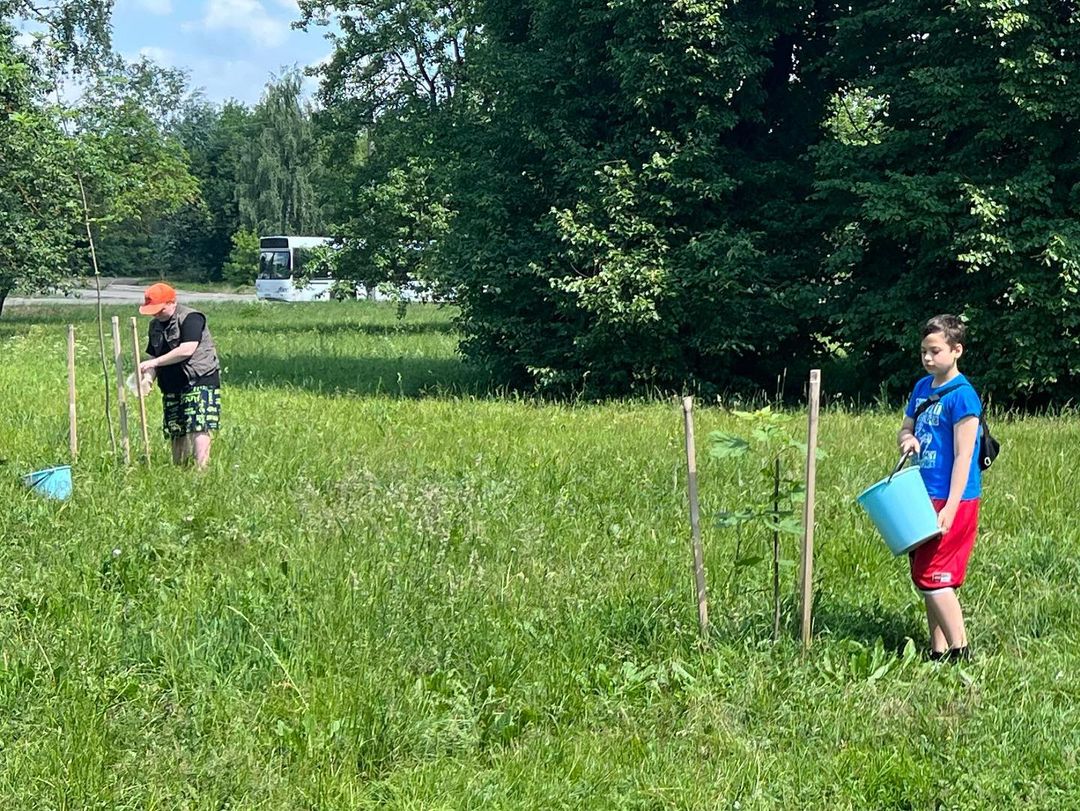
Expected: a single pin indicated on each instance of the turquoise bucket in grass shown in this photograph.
(53, 482)
(901, 509)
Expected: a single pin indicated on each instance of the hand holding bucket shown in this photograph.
(901, 508)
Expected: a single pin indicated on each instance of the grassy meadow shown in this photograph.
(398, 587)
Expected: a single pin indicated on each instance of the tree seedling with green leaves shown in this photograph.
(774, 505)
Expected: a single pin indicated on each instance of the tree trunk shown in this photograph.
(3, 295)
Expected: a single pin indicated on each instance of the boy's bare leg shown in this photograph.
(944, 606)
(181, 449)
(201, 444)
(938, 643)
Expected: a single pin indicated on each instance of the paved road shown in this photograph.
(123, 294)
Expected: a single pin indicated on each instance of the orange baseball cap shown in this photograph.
(156, 297)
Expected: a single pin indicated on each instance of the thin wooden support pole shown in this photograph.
(695, 518)
(776, 551)
(806, 568)
(121, 400)
(139, 388)
(73, 432)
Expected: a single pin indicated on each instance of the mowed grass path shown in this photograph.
(397, 589)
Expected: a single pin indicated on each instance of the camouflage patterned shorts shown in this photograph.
(192, 411)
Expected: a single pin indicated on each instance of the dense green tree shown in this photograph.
(664, 151)
(70, 174)
(274, 187)
(390, 94)
(152, 104)
(38, 192)
(631, 194)
(133, 171)
(411, 51)
(75, 34)
(38, 211)
(610, 190)
(953, 184)
(214, 138)
(193, 241)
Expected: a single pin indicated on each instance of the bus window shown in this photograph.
(274, 265)
(284, 262)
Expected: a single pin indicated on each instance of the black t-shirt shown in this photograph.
(173, 378)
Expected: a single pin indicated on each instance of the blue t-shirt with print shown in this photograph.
(934, 430)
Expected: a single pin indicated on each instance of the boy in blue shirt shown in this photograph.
(944, 437)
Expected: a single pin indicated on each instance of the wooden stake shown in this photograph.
(776, 552)
(121, 400)
(141, 396)
(73, 434)
(695, 518)
(806, 569)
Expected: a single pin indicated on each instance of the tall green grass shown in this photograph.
(397, 588)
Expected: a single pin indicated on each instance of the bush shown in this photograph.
(243, 264)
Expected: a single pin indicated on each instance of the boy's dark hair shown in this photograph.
(948, 325)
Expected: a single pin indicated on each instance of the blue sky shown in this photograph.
(229, 47)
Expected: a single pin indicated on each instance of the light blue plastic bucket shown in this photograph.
(53, 482)
(901, 509)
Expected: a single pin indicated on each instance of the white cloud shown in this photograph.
(323, 61)
(309, 86)
(161, 56)
(228, 79)
(249, 17)
(239, 79)
(162, 7)
(25, 39)
(69, 91)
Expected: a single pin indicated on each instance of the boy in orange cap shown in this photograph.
(184, 361)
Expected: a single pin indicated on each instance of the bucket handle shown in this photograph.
(38, 476)
(903, 459)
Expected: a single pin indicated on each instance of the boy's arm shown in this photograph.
(965, 433)
(905, 439)
(178, 355)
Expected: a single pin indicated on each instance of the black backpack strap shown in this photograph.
(987, 448)
(934, 398)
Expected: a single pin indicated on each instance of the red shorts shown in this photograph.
(942, 562)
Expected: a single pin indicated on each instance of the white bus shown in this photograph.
(282, 258)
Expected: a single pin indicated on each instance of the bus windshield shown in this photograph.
(274, 265)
